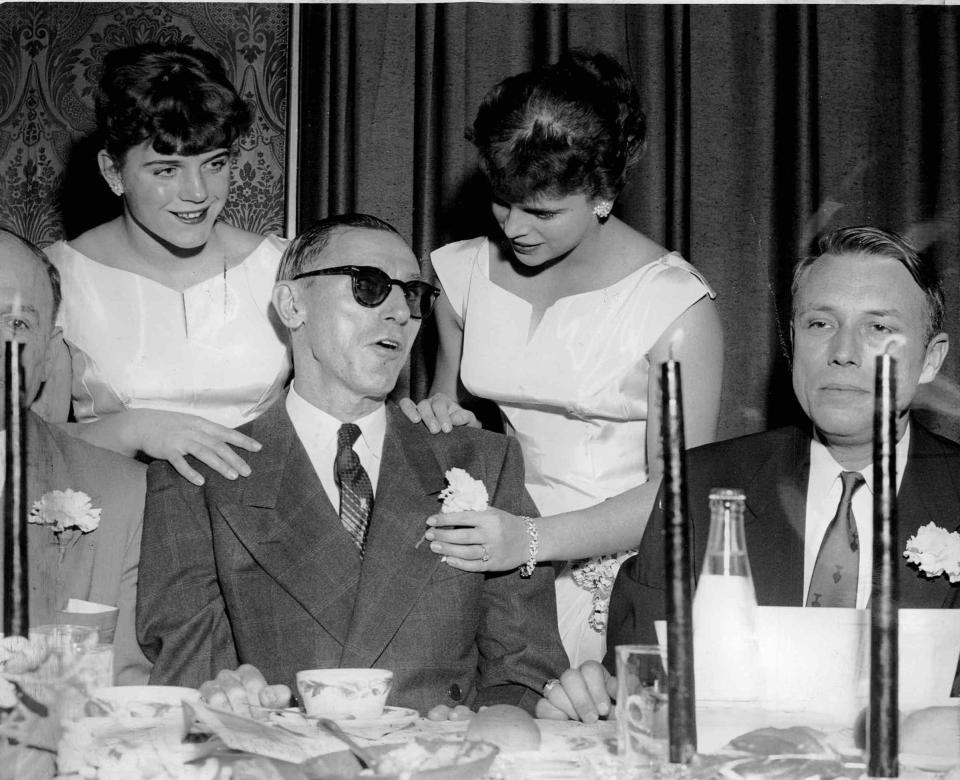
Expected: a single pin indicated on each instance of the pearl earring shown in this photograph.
(603, 208)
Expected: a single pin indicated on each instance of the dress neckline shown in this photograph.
(534, 323)
(107, 269)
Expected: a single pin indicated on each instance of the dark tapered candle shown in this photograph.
(883, 736)
(679, 572)
(16, 589)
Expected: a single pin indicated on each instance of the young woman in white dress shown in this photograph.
(166, 309)
(563, 319)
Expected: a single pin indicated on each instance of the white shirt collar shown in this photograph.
(825, 466)
(317, 430)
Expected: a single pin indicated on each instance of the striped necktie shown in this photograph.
(356, 493)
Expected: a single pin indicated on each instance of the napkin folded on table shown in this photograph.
(103, 617)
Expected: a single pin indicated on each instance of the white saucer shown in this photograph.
(391, 719)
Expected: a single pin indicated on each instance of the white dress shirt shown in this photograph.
(823, 495)
(317, 430)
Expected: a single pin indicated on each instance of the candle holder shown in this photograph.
(883, 738)
(679, 572)
(16, 590)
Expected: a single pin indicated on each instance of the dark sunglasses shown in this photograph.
(371, 286)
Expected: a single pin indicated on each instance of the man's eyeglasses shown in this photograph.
(371, 286)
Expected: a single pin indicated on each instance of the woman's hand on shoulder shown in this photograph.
(491, 540)
(439, 412)
(172, 436)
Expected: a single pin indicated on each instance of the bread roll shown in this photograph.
(934, 731)
(506, 726)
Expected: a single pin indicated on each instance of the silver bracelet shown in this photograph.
(534, 547)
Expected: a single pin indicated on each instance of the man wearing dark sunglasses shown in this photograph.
(313, 560)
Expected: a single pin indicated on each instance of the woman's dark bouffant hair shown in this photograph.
(574, 126)
(175, 95)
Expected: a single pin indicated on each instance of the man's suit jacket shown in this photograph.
(261, 571)
(773, 469)
(99, 566)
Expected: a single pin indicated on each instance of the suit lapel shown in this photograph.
(776, 501)
(928, 488)
(394, 571)
(928, 493)
(284, 519)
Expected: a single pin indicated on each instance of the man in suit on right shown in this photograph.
(863, 291)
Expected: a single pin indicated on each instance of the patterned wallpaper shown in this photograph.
(50, 60)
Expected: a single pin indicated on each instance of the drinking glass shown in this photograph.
(95, 666)
(62, 646)
(643, 728)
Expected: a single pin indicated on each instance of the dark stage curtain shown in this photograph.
(766, 124)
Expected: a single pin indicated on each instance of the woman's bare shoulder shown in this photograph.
(624, 251)
(100, 243)
(236, 242)
(636, 249)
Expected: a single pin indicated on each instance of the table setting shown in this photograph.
(796, 728)
(164, 732)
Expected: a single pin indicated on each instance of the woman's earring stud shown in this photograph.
(603, 208)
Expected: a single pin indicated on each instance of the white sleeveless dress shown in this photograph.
(213, 350)
(574, 393)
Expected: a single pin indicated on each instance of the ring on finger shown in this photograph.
(548, 686)
(484, 555)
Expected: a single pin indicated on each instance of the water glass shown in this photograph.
(95, 666)
(62, 645)
(643, 726)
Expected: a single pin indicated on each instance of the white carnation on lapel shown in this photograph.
(463, 493)
(935, 551)
(64, 509)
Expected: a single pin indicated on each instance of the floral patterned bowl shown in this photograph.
(344, 693)
(141, 701)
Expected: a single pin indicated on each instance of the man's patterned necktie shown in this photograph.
(356, 494)
(835, 574)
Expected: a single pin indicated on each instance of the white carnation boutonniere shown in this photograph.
(463, 493)
(935, 551)
(62, 509)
